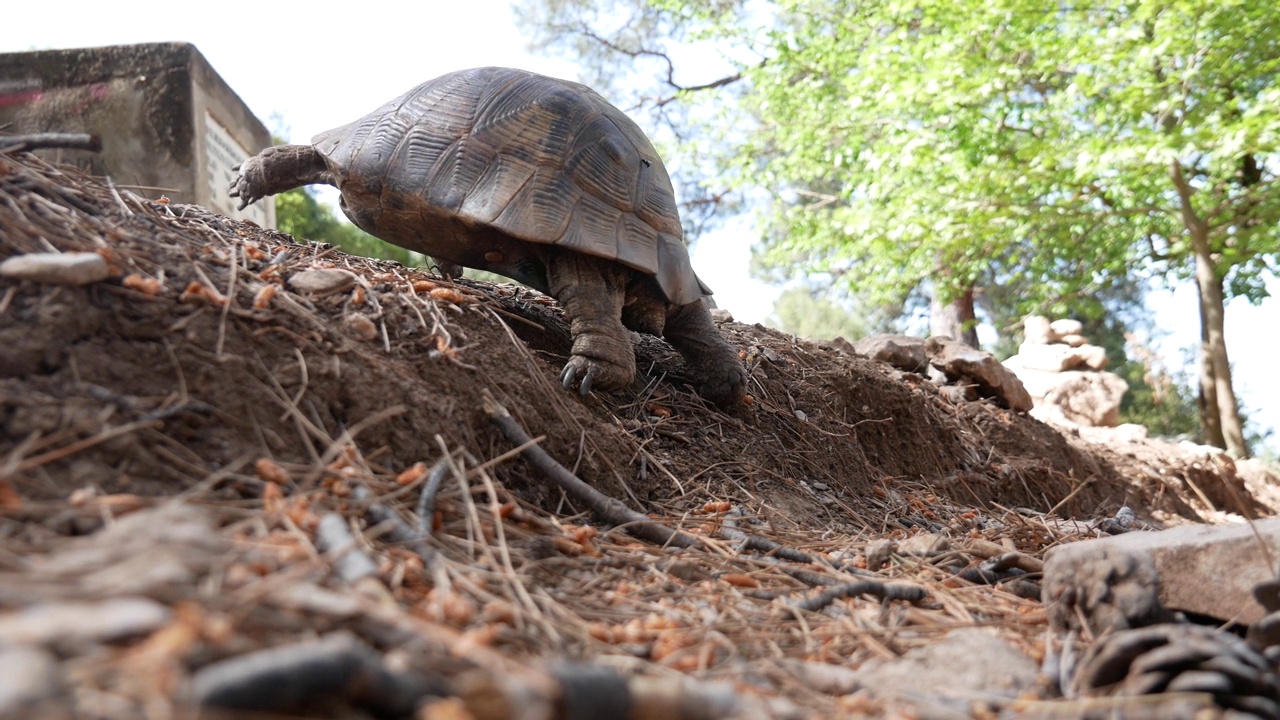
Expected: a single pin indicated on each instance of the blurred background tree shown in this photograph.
(302, 216)
(968, 149)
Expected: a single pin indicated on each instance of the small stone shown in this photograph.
(73, 268)
(901, 351)
(1074, 340)
(878, 553)
(363, 327)
(1037, 330)
(923, 544)
(28, 676)
(941, 679)
(992, 379)
(1062, 328)
(958, 394)
(721, 315)
(322, 282)
(102, 621)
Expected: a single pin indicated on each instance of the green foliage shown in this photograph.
(1164, 402)
(815, 317)
(1001, 138)
(302, 216)
(1048, 152)
(1159, 398)
(1008, 141)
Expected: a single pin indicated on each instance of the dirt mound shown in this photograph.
(403, 356)
(204, 369)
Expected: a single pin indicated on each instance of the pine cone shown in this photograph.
(1264, 635)
(1172, 658)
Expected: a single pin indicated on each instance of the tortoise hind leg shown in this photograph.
(591, 291)
(713, 360)
(277, 169)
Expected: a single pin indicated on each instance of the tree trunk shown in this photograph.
(955, 319)
(1215, 366)
(1219, 412)
(1207, 399)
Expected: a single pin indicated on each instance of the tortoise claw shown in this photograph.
(585, 387)
(569, 376)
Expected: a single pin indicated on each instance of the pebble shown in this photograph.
(363, 327)
(102, 621)
(322, 282)
(27, 677)
(73, 268)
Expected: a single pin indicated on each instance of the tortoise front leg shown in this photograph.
(711, 358)
(277, 169)
(592, 291)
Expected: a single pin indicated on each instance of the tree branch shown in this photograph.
(670, 79)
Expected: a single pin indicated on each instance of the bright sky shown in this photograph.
(318, 66)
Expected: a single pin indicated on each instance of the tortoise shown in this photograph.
(534, 178)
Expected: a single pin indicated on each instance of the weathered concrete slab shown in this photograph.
(1205, 569)
(168, 122)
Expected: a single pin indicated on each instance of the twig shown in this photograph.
(427, 501)
(1007, 559)
(84, 444)
(729, 531)
(66, 141)
(289, 679)
(399, 531)
(813, 603)
(233, 269)
(605, 508)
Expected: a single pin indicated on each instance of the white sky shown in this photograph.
(322, 65)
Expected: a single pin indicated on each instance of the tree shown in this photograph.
(1058, 148)
(300, 214)
(801, 312)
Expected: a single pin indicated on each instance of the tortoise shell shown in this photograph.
(538, 160)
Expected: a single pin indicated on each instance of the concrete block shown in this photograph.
(1204, 569)
(169, 124)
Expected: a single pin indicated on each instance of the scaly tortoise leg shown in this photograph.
(277, 169)
(591, 291)
(714, 362)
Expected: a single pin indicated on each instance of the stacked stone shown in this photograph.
(1066, 376)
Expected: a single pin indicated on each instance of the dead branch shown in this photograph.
(65, 141)
(295, 677)
(729, 531)
(910, 593)
(1006, 559)
(607, 509)
(398, 531)
(427, 501)
(670, 79)
(594, 691)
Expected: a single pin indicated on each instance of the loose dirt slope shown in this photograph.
(197, 415)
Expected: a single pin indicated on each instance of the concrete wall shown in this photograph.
(169, 124)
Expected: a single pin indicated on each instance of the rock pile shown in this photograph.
(961, 372)
(1066, 375)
